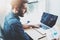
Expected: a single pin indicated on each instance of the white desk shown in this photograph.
(34, 34)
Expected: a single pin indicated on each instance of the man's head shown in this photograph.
(19, 7)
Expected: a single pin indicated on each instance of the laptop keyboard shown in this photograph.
(44, 27)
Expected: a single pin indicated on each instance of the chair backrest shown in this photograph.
(2, 33)
(1, 37)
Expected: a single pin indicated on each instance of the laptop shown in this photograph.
(47, 22)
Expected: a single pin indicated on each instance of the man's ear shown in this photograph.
(16, 9)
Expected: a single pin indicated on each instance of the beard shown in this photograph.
(20, 13)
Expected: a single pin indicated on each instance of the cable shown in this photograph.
(41, 37)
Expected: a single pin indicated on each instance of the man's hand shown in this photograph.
(26, 26)
(34, 26)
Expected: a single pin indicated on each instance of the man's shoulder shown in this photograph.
(11, 20)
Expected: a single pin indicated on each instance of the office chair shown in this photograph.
(3, 35)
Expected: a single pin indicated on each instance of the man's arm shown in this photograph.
(17, 30)
(25, 26)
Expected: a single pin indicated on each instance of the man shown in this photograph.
(12, 25)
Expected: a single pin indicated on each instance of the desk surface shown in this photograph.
(34, 34)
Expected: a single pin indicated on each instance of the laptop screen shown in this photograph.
(49, 19)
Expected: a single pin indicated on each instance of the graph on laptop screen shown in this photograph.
(49, 19)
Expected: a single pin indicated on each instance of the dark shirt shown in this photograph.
(13, 28)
